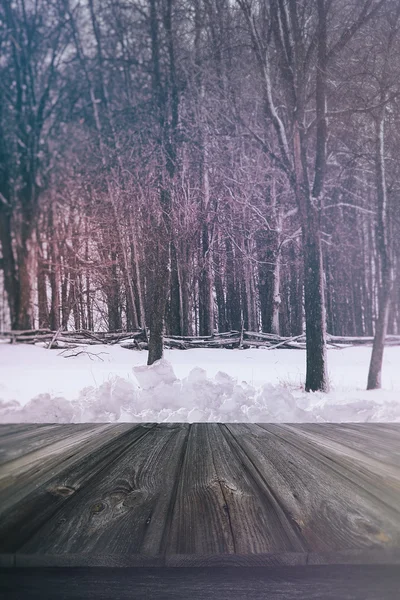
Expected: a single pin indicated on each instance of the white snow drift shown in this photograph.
(110, 383)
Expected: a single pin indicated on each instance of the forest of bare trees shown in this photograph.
(192, 166)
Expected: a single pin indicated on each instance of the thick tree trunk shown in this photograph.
(168, 118)
(11, 282)
(156, 326)
(24, 317)
(113, 296)
(296, 294)
(158, 284)
(310, 202)
(317, 374)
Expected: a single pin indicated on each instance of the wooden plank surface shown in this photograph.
(202, 494)
(17, 441)
(333, 582)
(381, 441)
(31, 499)
(125, 509)
(335, 502)
(218, 486)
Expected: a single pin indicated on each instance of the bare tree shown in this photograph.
(384, 246)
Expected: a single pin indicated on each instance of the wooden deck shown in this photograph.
(201, 495)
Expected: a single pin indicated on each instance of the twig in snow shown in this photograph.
(89, 354)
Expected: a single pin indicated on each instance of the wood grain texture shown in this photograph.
(200, 523)
(24, 439)
(335, 503)
(28, 466)
(223, 505)
(40, 493)
(380, 442)
(279, 583)
(199, 495)
(125, 507)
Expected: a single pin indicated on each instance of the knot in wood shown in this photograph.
(97, 508)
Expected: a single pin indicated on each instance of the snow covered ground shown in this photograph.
(110, 383)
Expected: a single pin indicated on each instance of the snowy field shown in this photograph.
(110, 383)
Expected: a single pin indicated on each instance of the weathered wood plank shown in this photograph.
(125, 507)
(379, 480)
(28, 439)
(335, 509)
(223, 505)
(280, 583)
(200, 523)
(379, 440)
(15, 428)
(28, 468)
(41, 494)
(258, 520)
(278, 493)
(378, 451)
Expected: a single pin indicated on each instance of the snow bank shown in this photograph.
(110, 384)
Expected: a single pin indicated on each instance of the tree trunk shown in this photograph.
(54, 282)
(43, 309)
(158, 284)
(385, 260)
(186, 291)
(113, 296)
(375, 366)
(65, 295)
(317, 375)
(276, 295)
(89, 311)
(219, 288)
(175, 304)
(24, 316)
(233, 304)
(75, 293)
(11, 282)
(206, 300)
(138, 288)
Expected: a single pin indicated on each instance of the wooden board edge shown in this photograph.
(372, 556)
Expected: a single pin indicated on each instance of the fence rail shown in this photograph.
(139, 339)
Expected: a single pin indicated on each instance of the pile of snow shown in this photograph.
(112, 384)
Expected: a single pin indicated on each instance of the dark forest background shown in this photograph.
(203, 165)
